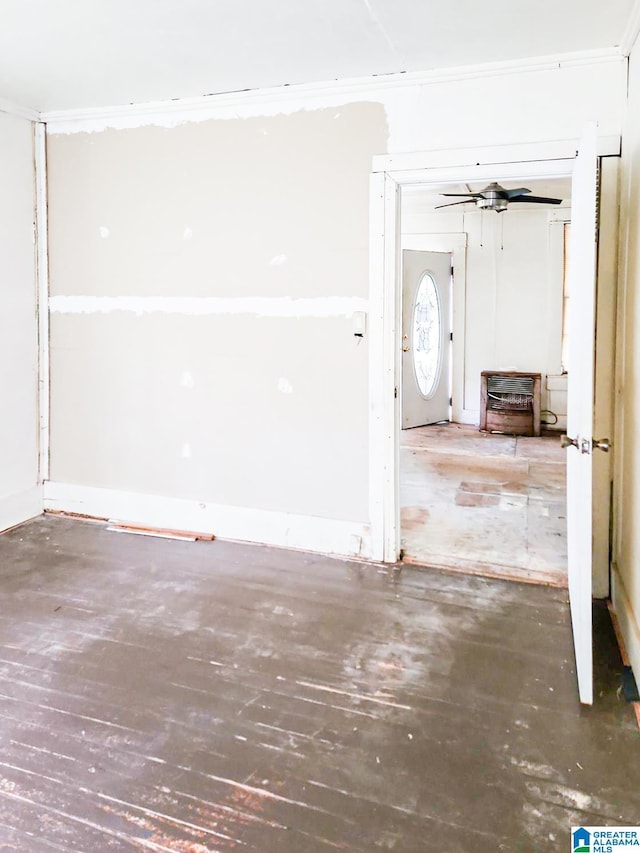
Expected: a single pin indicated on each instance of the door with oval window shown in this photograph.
(426, 338)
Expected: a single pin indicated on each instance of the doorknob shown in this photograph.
(565, 441)
(581, 444)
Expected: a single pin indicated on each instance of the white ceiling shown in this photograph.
(64, 54)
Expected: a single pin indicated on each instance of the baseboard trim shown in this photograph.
(627, 620)
(286, 530)
(14, 509)
(471, 417)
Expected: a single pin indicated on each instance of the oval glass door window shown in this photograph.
(427, 335)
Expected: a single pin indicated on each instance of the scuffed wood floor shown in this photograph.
(209, 696)
(486, 504)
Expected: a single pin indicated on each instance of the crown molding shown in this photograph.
(286, 99)
(19, 111)
(632, 30)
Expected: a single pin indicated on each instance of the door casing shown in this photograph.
(390, 173)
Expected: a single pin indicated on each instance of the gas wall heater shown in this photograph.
(510, 402)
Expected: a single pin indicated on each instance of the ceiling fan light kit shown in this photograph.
(495, 197)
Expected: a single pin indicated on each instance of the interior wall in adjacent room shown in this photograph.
(513, 292)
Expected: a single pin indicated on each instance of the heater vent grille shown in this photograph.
(510, 403)
(510, 392)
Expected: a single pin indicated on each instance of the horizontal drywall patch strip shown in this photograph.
(195, 306)
(307, 533)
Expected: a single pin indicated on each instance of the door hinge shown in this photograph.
(450, 336)
(395, 392)
(451, 401)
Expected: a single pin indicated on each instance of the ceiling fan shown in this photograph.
(495, 197)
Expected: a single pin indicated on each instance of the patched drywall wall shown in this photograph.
(247, 411)
(20, 495)
(265, 206)
(203, 280)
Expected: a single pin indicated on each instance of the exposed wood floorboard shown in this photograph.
(492, 505)
(210, 696)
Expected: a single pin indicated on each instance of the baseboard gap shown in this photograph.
(623, 654)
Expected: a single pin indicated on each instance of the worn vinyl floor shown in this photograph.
(481, 503)
(208, 696)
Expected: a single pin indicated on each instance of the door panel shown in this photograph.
(582, 276)
(426, 345)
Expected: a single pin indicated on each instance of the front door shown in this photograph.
(426, 337)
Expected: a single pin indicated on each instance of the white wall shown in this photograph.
(537, 100)
(171, 241)
(20, 494)
(626, 556)
(513, 292)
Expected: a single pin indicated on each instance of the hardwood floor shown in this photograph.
(210, 696)
(487, 504)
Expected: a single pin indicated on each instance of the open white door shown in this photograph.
(579, 439)
(426, 337)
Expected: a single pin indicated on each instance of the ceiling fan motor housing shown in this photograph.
(493, 200)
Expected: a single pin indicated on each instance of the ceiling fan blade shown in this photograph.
(535, 199)
(519, 191)
(453, 203)
(461, 195)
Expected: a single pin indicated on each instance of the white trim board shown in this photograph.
(288, 99)
(517, 154)
(285, 530)
(14, 509)
(384, 369)
(378, 442)
(627, 620)
(42, 277)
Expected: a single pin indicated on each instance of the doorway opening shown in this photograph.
(590, 375)
(491, 502)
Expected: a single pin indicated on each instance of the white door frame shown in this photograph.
(390, 173)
